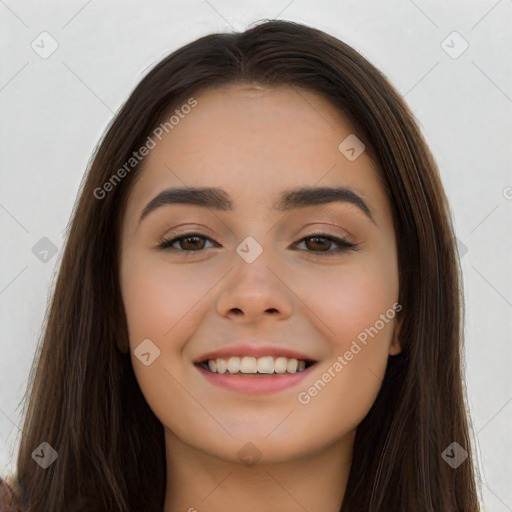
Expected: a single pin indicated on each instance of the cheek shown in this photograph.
(157, 296)
(365, 310)
(351, 299)
(159, 304)
(357, 306)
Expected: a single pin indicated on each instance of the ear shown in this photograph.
(395, 347)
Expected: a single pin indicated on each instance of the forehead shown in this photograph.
(254, 141)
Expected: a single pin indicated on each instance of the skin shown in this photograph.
(254, 142)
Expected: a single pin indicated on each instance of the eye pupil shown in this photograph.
(317, 238)
(194, 245)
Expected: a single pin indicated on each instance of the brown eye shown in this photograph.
(320, 244)
(187, 243)
(191, 243)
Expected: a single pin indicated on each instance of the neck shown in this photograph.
(199, 482)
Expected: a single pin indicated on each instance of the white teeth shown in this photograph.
(250, 365)
(222, 365)
(280, 365)
(233, 364)
(266, 364)
(291, 365)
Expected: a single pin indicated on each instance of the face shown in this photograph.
(276, 282)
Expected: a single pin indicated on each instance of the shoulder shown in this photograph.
(8, 499)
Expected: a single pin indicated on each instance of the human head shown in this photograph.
(87, 305)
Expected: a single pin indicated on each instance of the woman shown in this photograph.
(258, 306)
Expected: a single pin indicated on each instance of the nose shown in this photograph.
(255, 291)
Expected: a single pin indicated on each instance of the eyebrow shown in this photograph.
(218, 199)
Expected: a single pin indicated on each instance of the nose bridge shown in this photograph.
(255, 229)
(254, 262)
(254, 287)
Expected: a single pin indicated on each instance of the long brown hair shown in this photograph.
(84, 399)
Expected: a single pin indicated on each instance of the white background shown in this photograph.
(54, 110)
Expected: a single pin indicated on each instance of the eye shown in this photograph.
(190, 239)
(322, 242)
(195, 242)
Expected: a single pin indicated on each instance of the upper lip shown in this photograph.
(252, 351)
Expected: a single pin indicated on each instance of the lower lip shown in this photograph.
(255, 383)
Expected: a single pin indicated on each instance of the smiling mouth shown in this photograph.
(252, 366)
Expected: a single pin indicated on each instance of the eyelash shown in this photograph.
(165, 244)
